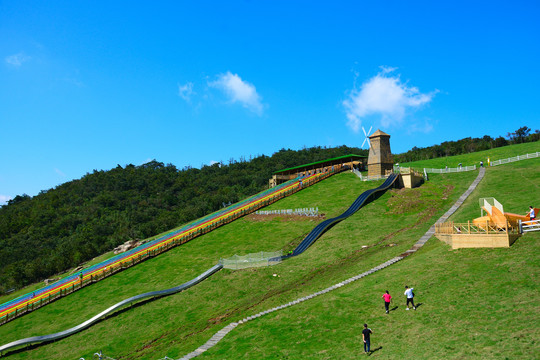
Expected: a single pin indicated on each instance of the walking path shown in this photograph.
(221, 333)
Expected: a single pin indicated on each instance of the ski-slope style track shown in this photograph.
(356, 205)
(227, 329)
(47, 294)
(93, 320)
(312, 236)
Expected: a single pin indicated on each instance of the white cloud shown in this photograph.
(239, 91)
(387, 69)
(383, 95)
(212, 162)
(4, 199)
(17, 60)
(59, 172)
(186, 91)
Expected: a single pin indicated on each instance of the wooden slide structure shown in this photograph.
(494, 229)
(496, 217)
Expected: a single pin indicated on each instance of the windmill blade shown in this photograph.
(369, 131)
(367, 136)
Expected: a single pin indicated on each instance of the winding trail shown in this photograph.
(221, 333)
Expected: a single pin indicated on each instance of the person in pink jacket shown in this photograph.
(387, 299)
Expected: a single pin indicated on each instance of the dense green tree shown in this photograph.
(76, 221)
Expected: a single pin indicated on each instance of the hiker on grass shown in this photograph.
(410, 296)
(365, 337)
(387, 299)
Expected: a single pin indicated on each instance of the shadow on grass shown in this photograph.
(374, 350)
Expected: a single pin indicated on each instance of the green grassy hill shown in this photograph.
(475, 303)
(475, 157)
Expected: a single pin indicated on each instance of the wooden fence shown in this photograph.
(450, 228)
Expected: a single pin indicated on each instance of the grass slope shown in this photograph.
(470, 298)
(475, 303)
(474, 158)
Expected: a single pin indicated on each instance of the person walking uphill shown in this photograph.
(387, 298)
(410, 297)
(366, 337)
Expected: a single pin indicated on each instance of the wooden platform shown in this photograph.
(471, 236)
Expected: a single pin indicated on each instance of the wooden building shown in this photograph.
(336, 164)
(380, 160)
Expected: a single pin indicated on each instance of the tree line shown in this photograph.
(468, 145)
(62, 227)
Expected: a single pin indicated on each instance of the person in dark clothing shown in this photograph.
(366, 337)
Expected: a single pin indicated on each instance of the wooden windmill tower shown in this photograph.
(380, 160)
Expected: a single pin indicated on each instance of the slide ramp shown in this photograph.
(36, 299)
(98, 317)
(356, 205)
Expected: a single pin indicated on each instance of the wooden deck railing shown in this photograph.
(449, 228)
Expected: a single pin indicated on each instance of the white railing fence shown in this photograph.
(300, 212)
(528, 226)
(488, 203)
(374, 177)
(515, 158)
(449, 170)
(357, 173)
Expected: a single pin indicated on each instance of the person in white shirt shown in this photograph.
(532, 215)
(410, 297)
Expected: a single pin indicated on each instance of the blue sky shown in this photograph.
(89, 85)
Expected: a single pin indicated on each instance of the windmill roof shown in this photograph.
(378, 133)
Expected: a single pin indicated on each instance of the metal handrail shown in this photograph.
(528, 226)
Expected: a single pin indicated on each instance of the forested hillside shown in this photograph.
(62, 227)
(76, 221)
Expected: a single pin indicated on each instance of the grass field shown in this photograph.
(478, 303)
(474, 158)
(475, 304)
